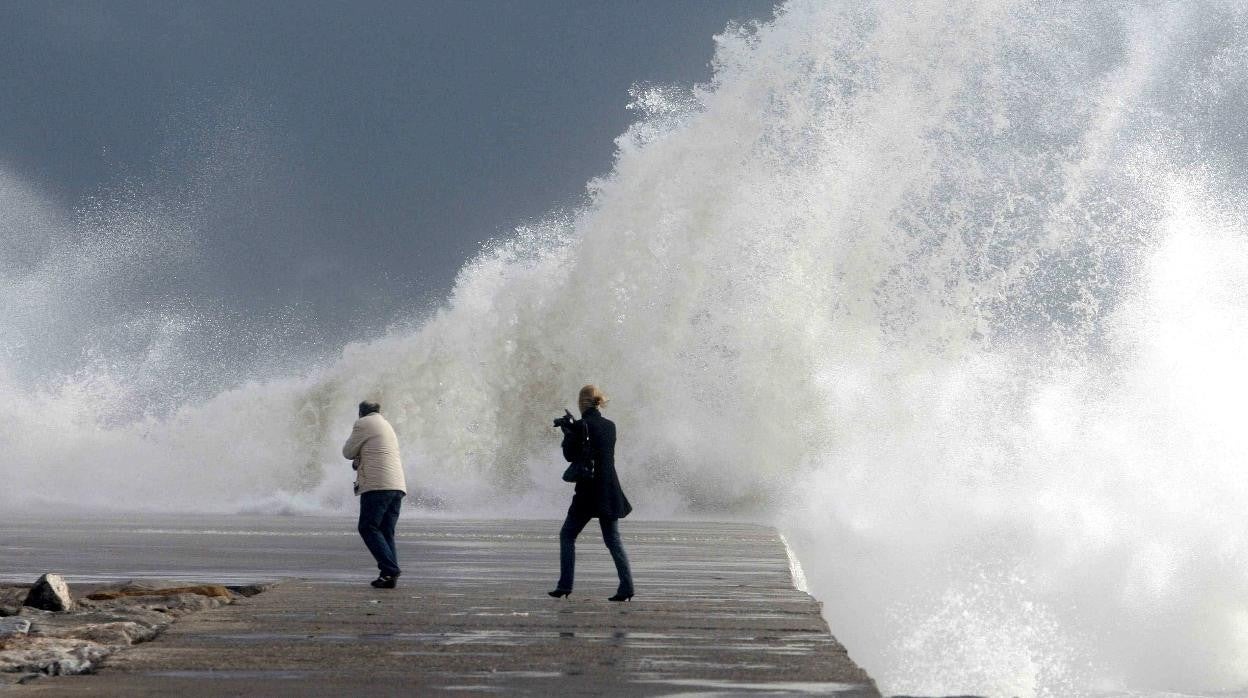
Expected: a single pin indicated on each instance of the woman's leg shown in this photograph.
(572, 527)
(611, 536)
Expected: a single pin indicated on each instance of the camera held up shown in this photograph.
(565, 422)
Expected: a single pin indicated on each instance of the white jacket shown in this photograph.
(374, 443)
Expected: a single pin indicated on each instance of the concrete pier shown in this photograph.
(716, 613)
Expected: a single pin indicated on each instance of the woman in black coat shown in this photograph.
(599, 497)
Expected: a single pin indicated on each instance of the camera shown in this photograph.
(566, 421)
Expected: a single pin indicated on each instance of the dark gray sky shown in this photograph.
(334, 163)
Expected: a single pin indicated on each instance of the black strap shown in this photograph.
(589, 451)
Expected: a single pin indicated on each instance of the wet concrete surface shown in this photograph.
(715, 613)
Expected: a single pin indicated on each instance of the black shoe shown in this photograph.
(560, 592)
(621, 597)
(386, 582)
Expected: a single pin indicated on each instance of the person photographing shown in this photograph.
(373, 449)
(589, 447)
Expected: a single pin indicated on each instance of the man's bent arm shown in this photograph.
(351, 449)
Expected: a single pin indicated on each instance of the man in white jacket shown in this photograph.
(373, 449)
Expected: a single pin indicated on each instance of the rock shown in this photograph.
(136, 614)
(50, 593)
(249, 590)
(175, 605)
(183, 604)
(52, 656)
(11, 598)
(210, 590)
(114, 634)
(13, 627)
(68, 624)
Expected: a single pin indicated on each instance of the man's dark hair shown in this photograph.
(367, 408)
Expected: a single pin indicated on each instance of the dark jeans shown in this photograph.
(379, 512)
(572, 527)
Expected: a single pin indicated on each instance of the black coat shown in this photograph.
(602, 496)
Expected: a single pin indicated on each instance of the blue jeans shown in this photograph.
(379, 512)
(572, 527)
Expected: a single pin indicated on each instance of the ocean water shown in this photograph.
(954, 293)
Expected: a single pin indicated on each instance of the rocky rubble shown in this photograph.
(35, 641)
(13, 627)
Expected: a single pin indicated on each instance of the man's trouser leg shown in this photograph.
(373, 508)
(388, 522)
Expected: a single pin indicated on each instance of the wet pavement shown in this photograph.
(716, 612)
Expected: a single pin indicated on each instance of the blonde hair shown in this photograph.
(590, 396)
